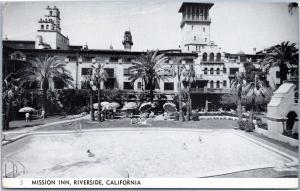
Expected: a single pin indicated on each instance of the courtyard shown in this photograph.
(121, 149)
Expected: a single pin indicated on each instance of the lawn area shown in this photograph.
(21, 124)
(87, 124)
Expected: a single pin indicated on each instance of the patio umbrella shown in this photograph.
(170, 107)
(114, 105)
(26, 109)
(129, 105)
(145, 107)
(104, 104)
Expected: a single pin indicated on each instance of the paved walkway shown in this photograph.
(17, 133)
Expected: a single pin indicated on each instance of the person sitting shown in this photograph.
(90, 154)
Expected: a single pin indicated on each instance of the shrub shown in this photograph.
(195, 117)
(246, 125)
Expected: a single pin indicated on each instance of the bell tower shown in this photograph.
(195, 25)
(127, 42)
(49, 32)
(51, 20)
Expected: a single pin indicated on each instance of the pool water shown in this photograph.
(148, 153)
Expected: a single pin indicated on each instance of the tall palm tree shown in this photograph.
(46, 69)
(253, 90)
(178, 68)
(189, 75)
(100, 76)
(237, 85)
(150, 67)
(89, 85)
(284, 56)
(9, 91)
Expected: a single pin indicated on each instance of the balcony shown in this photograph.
(210, 90)
(194, 19)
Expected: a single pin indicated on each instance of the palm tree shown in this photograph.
(253, 90)
(10, 90)
(46, 69)
(284, 56)
(100, 76)
(292, 6)
(178, 68)
(189, 77)
(150, 68)
(237, 85)
(89, 85)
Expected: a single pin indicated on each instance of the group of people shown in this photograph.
(28, 116)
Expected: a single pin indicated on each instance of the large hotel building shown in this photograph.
(214, 67)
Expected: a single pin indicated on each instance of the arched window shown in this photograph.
(211, 84)
(205, 70)
(50, 13)
(42, 27)
(211, 71)
(211, 57)
(47, 26)
(195, 38)
(224, 70)
(204, 56)
(296, 97)
(218, 56)
(218, 84)
(218, 70)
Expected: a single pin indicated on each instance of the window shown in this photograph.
(86, 71)
(58, 84)
(192, 27)
(218, 84)
(50, 13)
(233, 71)
(188, 48)
(224, 83)
(84, 84)
(205, 39)
(218, 56)
(128, 86)
(218, 70)
(224, 70)
(278, 74)
(127, 72)
(204, 56)
(195, 38)
(205, 70)
(47, 26)
(211, 57)
(211, 84)
(203, 29)
(139, 85)
(42, 27)
(169, 86)
(110, 72)
(296, 97)
(211, 71)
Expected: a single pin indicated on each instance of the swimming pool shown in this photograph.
(143, 153)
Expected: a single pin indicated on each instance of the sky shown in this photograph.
(155, 24)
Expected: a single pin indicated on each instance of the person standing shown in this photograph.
(27, 117)
(43, 115)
